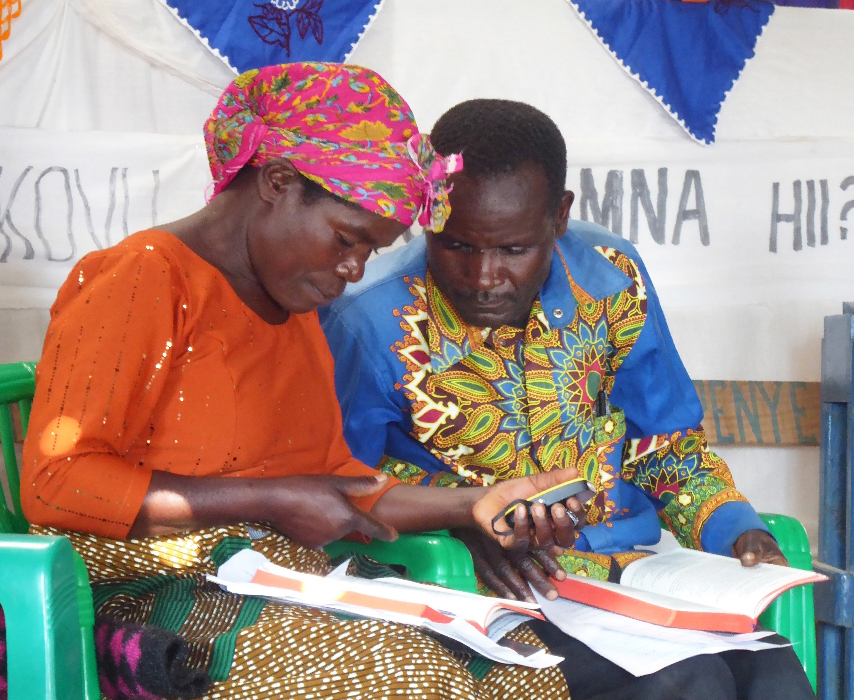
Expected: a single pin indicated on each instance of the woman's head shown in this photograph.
(342, 127)
(336, 166)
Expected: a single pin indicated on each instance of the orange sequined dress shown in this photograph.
(152, 362)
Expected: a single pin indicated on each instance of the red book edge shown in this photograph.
(614, 601)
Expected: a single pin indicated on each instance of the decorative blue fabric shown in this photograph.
(688, 55)
(249, 34)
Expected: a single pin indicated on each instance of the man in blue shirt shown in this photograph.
(516, 341)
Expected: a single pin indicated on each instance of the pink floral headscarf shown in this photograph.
(340, 125)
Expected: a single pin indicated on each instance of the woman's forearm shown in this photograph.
(176, 502)
(410, 508)
(312, 509)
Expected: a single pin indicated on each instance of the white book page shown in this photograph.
(235, 575)
(640, 647)
(710, 579)
(483, 609)
(664, 601)
(241, 567)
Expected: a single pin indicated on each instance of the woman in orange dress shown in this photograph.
(185, 405)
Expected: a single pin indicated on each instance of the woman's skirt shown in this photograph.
(258, 650)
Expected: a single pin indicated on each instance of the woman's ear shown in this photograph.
(275, 177)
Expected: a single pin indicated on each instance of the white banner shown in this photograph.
(63, 195)
(764, 222)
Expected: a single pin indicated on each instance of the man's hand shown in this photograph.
(552, 529)
(511, 573)
(756, 546)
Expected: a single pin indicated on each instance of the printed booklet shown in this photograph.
(689, 589)
(479, 622)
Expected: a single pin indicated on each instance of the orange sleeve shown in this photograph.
(103, 367)
(353, 467)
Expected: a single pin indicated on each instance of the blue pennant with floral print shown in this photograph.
(687, 54)
(254, 33)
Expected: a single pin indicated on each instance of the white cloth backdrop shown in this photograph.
(101, 107)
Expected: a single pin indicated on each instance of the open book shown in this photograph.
(479, 622)
(689, 589)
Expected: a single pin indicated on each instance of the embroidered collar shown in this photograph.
(579, 274)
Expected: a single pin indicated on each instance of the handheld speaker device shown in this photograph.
(556, 494)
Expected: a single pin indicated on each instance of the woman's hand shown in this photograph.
(552, 529)
(315, 510)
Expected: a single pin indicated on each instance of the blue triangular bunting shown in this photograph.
(249, 34)
(687, 54)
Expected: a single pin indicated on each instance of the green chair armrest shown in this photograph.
(17, 386)
(50, 644)
(435, 557)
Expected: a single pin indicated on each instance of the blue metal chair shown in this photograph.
(834, 600)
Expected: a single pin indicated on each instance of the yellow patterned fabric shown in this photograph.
(499, 403)
(290, 651)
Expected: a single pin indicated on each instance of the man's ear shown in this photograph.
(275, 177)
(562, 217)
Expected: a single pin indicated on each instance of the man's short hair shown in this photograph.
(498, 136)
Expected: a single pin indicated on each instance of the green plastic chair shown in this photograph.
(435, 557)
(793, 613)
(44, 589)
(17, 385)
(47, 603)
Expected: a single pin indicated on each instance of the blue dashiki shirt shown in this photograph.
(436, 402)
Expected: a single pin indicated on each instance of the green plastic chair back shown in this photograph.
(49, 620)
(17, 386)
(435, 557)
(44, 586)
(793, 613)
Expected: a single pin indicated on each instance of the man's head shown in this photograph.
(508, 206)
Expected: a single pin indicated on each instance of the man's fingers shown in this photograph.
(491, 579)
(485, 571)
(549, 562)
(502, 573)
(535, 576)
(755, 546)
(771, 557)
(748, 559)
